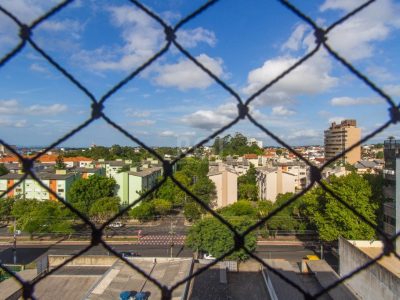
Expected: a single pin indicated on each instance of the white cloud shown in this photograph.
(38, 68)
(355, 38)
(64, 25)
(46, 110)
(341, 4)
(12, 123)
(282, 111)
(8, 107)
(142, 37)
(220, 116)
(392, 89)
(294, 42)
(311, 77)
(192, 37)
(142, 123)
(336, 120)
(347, 101)
(132, 113)
(186, 75)
(167, 133)
(13, 107)
(306, 133)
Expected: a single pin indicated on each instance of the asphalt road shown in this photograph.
(161, 227)
(26, 254)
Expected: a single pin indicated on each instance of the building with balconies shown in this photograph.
(391, 174)
(341, 136)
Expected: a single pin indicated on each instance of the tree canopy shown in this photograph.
(247, 185)
(85, 192)
(331, 218)
(104, 208)
(234, 145)
(41, 217)
(3, 170)
(211, 236)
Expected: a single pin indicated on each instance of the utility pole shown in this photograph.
(15, 243)
(171, 232)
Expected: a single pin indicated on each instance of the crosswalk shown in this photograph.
(162, 240)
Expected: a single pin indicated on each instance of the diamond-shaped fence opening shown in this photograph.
(97, 105)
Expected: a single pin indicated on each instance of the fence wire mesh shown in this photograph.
(321, 41)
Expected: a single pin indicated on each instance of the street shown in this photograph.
(26, 254)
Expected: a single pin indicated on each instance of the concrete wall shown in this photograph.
(84, 260)
(375, 282)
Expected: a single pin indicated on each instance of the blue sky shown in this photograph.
(173, 103)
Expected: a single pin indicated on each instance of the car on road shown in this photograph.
(115, 225)
(128, 254)
(208, 256)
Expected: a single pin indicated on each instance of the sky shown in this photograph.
(173, 102)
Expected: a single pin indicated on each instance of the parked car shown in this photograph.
(116, 225)
(128, 254)
(208, 256)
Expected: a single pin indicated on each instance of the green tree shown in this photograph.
(84, 192)
(3, 170)
(379, 155)
(162, 206)
(6, 205)
(143, 212)
(239, 208)
(247, 185)
(60, 165)
(248, 191)
(41, 217)
(204, 188)
(211, 236)
(192, 211)
(279, 152)
(171, 192)
(104, 208)
(264, 207)
(331, 218)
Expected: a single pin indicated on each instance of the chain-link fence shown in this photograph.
(321, 41)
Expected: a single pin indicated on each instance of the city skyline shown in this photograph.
(173, 103)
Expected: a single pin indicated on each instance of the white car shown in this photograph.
(208, 256)
(116, 225)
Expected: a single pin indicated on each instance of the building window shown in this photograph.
(61, 190)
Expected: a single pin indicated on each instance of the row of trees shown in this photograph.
(192, 173)
(316, 210)
(117, 151)
(234, 145)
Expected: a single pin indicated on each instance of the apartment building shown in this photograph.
(297, 168)
(225, 180)
(391, 174)
(340, 137)
(274, 181)
(131, 184)
(59, 182)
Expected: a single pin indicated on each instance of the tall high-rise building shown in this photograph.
(391, 173)
(340, 137)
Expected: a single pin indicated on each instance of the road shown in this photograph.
(160, 227)
(26, 254)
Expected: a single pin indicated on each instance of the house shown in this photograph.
(366, 166)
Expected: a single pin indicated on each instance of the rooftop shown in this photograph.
(121, 277)
(145, 172)
(42, 176)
